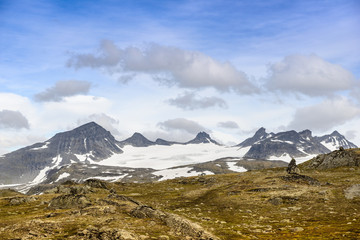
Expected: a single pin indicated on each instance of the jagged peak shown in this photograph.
(306, 133)
(88, 129)
(261, 131)
(137, 135)
(203, 135)
(336, 133)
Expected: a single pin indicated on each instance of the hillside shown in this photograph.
(259, 204)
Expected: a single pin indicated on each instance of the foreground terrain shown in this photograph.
(261, 204)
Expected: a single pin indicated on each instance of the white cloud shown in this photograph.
(189, 101)
(168, 65)
(63, 89)
(325, 115)
(13, 119)
(182, 124)
(309, 75)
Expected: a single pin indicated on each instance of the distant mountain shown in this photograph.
(202, 137)
(137, 140)
(335, 140)
(89, 142)
(290, 144)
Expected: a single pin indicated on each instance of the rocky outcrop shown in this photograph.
(21, 200)
(338, 158)
(69, 201)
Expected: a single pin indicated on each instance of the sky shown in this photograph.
(170, 69)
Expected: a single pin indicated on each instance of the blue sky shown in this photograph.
(171, 68)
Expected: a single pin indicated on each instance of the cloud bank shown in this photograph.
(228, 124)
(309, 75)
(167, 65)
(63, 89)
(182, 124)
(325, 115)
(189, 101)
(13, 119)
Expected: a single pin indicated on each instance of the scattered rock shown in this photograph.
(297, 229)
(352, 192)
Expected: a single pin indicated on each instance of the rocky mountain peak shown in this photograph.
(306, 134)
(90, 129)
(202, 137)
(258, 136)
(336, 134)
(261, 132)
(88, 138)
(137, 140)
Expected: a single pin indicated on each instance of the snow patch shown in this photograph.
(276, 140)
(233, 167)
(332, 145)
(42, 147)
(62, 176)
(179, 172)
(5, 186)
(42, 174)
(109, 178)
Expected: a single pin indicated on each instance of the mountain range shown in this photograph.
(92, 151)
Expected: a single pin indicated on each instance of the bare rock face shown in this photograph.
(339, 158)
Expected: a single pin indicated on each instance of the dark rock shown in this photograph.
(96, 183)
(292, 167)
(69, 201)
(302, 179)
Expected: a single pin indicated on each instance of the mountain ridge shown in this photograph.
(90, 145)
